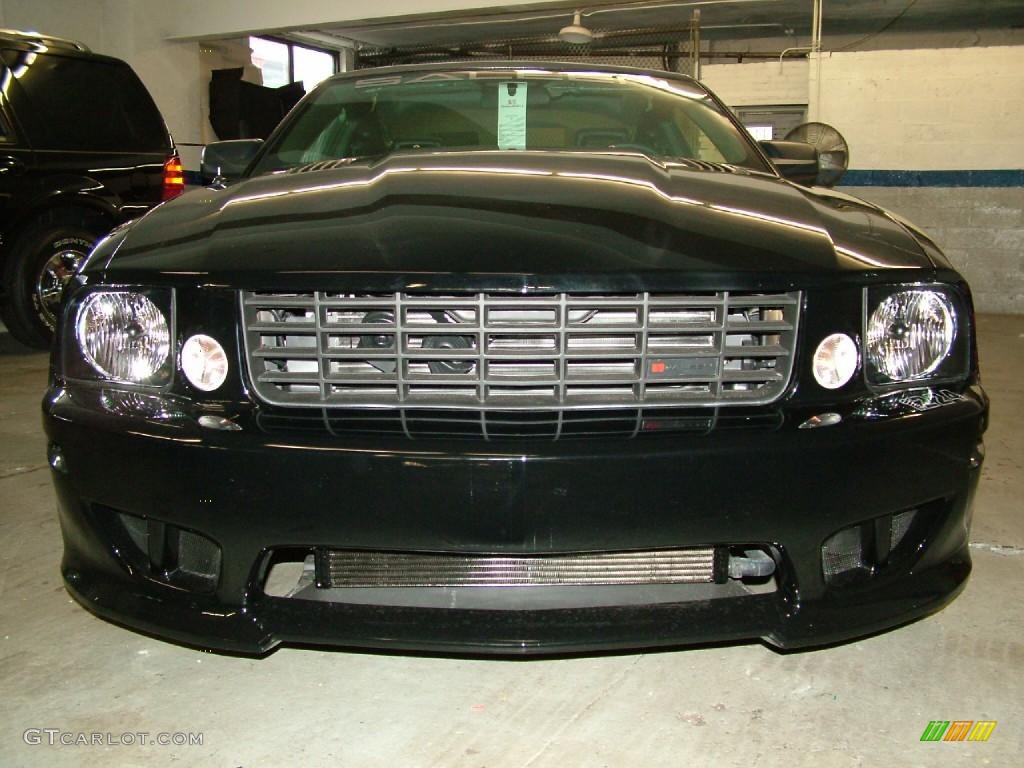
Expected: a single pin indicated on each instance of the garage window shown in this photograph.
(282, 63)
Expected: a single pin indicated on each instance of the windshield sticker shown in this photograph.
(377, 82)
(511, 115)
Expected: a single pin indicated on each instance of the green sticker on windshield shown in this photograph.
(512, 116)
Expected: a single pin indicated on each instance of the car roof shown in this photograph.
(497, 64)
(35, 40)
(32, 42)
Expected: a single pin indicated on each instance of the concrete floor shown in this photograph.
(861, 704)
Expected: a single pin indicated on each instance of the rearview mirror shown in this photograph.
(795, 160)
(226, 160)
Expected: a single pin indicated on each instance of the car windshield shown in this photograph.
(515, 109)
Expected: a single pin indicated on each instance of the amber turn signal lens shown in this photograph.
(174, 178)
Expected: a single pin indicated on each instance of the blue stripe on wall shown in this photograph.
(999, 178)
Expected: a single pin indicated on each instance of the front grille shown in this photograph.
(557, 351)
(349, 568)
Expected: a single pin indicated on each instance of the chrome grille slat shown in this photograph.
(557, 351)
(352, 568)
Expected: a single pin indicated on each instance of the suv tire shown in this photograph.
(43, 257)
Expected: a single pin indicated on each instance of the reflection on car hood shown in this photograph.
(508, 219)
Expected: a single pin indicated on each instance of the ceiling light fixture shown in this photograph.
(575, 33)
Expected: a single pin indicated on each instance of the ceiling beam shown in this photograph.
(202, 19)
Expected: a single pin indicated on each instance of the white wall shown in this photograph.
(197, 19)
(944, 109)
(759, 83)
(918, 109)
(76, 19)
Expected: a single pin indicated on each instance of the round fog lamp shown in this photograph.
(835, 361)
(204, 362)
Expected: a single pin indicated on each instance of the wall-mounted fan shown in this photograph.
(833, 152)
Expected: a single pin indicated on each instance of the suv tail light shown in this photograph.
(174, 178)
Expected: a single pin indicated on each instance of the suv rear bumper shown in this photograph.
(787, 489)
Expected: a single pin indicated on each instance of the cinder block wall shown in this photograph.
(938, 109)
(936, 135)
(759, 83)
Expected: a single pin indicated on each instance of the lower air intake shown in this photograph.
(344, 568)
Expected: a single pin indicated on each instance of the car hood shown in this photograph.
(511, 220)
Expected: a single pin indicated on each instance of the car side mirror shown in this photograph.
(795, 160)
(227, 160)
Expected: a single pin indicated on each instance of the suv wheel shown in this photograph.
(41, 260)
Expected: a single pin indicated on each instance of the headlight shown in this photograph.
(124, 337)
(910, 334)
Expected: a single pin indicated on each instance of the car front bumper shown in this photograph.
(253, 493)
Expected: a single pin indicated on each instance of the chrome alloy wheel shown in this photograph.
(55, 274)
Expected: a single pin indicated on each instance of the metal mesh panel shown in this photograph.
(664, 48)
(197, 555)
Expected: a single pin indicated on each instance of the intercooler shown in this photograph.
(353, 568)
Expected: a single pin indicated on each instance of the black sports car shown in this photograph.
(515, 359)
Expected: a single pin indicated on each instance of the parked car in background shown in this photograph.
(516, 359)
(83, 148)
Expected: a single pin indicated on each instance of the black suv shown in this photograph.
(82, 149)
